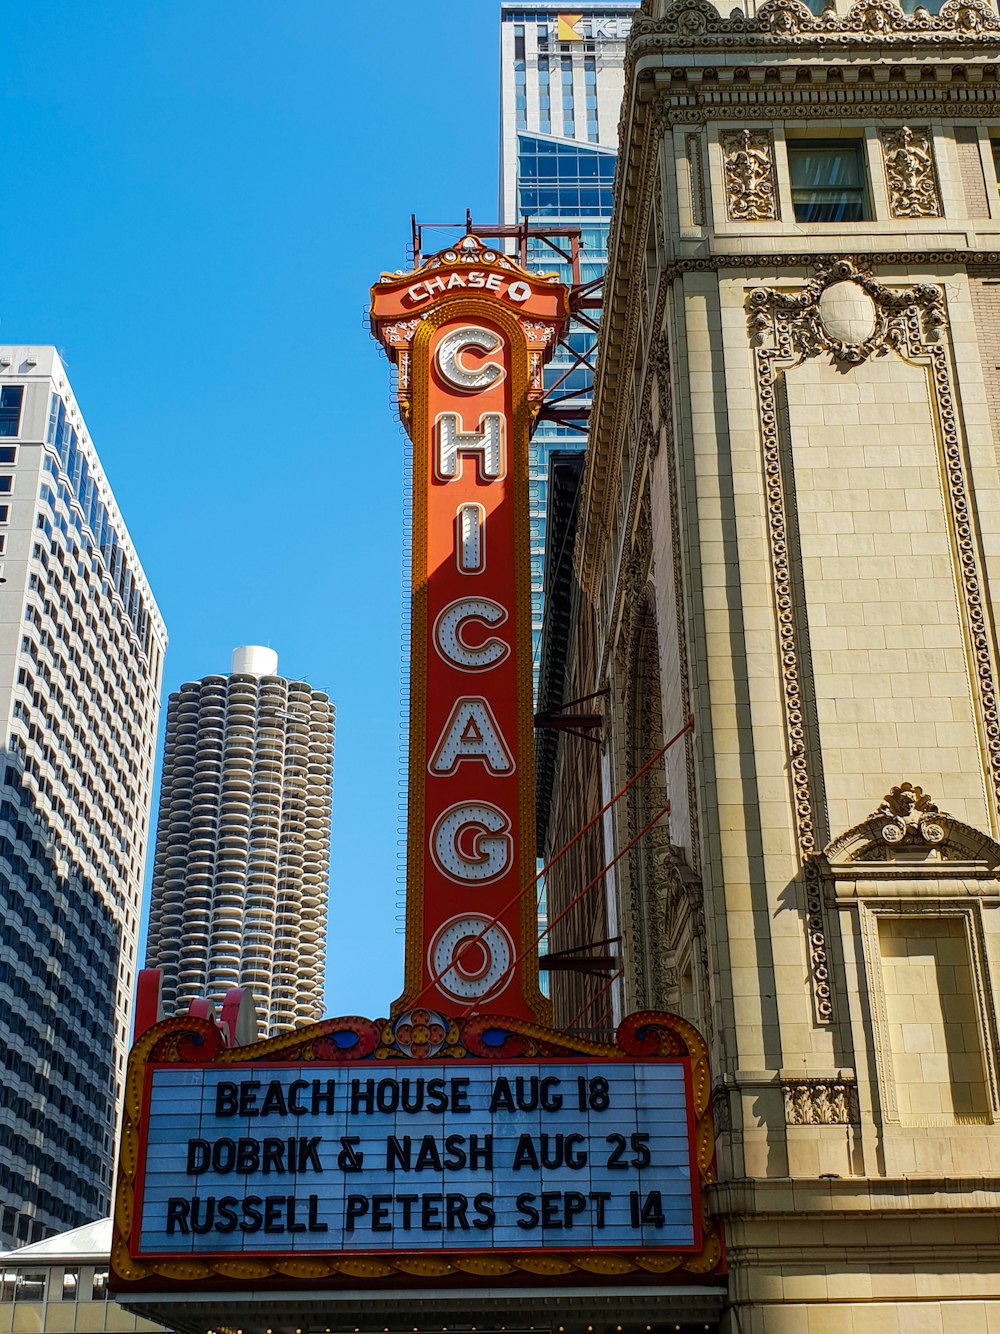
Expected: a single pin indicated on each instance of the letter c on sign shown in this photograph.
(452, 367)
(471, 843)
(449, 634)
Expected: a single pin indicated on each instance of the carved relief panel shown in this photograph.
(910, 173)
(751, 184)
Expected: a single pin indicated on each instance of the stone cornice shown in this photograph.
(788, 28)
(812, 260)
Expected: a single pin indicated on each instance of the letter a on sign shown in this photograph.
(470, 384)
(472, 733)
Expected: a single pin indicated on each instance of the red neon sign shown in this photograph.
(469, 333)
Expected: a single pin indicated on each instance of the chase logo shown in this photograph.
(566, 29)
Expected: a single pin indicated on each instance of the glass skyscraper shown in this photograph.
(81, 660)
(561, 91)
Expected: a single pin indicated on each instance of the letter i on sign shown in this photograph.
(468, 399)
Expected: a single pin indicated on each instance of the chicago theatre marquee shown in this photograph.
(460, 1162)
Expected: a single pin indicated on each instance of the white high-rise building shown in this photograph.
(240, 879)
(81, 658)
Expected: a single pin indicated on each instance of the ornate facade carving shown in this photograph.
(661, 362)
(697, 23)
(751, 186)
(910, 174)
(909, 828)
(696, 172)
(802, 326)
(909, 817)
(785, 329)
(666, 905)
(821, 1102)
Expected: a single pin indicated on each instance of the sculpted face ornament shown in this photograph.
(749, 169)
(911, 817)
(910, 174)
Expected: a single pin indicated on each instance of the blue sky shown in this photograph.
(197, 199)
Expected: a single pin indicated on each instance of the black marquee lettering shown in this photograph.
(227, 1100)
(527, 1210)
(525, 1155)
(398, 1153)
(199, 1156)
(357, 1207)
(322, 1096)
(248, 1097)
(430, 1213)
(599, 1199)
(428, 1156)
(294, 1103)
(226, 1216)
(202, 1215)
(177, 1216)
(273, 1209)
(487, 1214)
(381, 1213)
(274, 1101)
(501, 1099)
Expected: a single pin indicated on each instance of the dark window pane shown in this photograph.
(828, 181)
(10, 408)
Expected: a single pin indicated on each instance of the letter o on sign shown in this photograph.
(471, 957)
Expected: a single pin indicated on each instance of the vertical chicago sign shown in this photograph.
(469, 332)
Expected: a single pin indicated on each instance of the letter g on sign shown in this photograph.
(471, 843)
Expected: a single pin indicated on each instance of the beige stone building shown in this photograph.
(789, 531)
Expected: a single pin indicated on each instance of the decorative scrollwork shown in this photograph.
(748, 162)
(910, 174)
(801, 320)
(909, 816)
(696, 23)
(821, 1102)
(786, 328)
